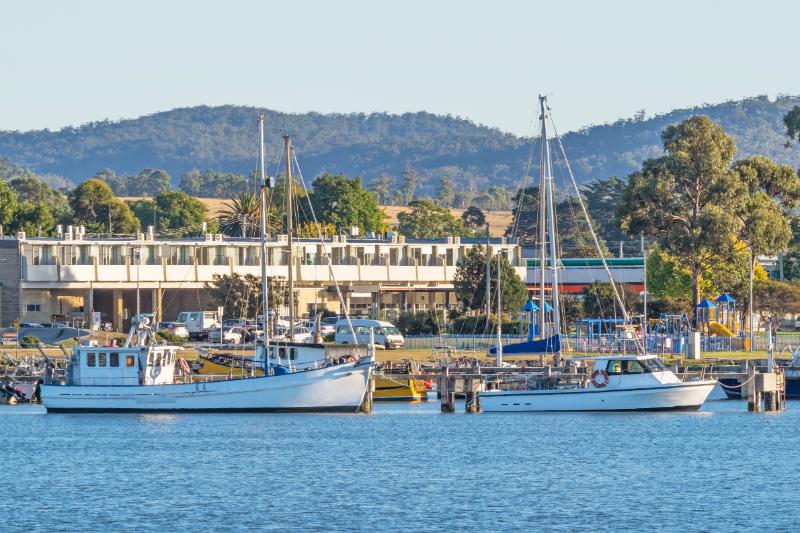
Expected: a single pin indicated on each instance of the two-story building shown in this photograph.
(65, 277)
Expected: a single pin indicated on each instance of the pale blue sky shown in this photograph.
(67, 63)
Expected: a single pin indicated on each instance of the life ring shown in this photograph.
(603, 382)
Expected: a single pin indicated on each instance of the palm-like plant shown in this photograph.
(241, 216)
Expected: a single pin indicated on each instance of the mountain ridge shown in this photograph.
(473, 155)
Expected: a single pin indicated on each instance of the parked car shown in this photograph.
(199, 323)
(230, 335)
(327, 325)
(386, 335)
(175, 328)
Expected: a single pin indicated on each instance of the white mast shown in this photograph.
(550, 197)
(289, 231)
(543, 333)
(499, 350)
(262, 159)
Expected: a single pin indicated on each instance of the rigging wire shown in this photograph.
(625, 315)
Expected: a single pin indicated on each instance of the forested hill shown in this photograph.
(473, 156)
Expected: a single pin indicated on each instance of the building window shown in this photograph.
(33, 308)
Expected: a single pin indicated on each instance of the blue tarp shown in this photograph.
(548, 345)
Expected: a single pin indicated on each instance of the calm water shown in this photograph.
(403, 468)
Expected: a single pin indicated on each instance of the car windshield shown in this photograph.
(391, 330)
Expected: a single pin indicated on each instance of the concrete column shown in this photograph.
(347, 300)
(117, 309)
(156, 299)
(88, 308)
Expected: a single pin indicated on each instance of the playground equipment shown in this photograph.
(599, 335)
(528, 322)
(668, 334)
(718, 322)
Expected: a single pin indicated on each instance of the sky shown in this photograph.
(69, 63)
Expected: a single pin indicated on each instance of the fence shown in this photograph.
(607, 343)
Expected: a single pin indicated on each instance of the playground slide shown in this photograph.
(719, 330)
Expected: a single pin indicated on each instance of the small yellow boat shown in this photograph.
(388, 388)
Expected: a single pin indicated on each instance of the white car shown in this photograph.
(385, 334)
(230, 335)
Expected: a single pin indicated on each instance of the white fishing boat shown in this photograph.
(617, 382)
(140, 375)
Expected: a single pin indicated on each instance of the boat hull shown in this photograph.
(339, 388)
(400, 390)
(666, 397)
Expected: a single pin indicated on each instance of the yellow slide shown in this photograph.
(719, 330)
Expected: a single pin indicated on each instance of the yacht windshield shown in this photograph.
(653, 365)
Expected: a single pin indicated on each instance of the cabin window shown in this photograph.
(272, 353)
(101, 359)
(632, 367)
(91, 359)
(293, 354)
(614, 367)
(282, 353)
(113, 360)
(129, 361)
(653, 365)
(157, 360)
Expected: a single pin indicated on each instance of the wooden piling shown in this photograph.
(447, 386)
(472, 387)
(366, 404)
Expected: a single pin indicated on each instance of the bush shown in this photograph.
(29, 341)
(171, 338)
(469, 325)
(422, 323)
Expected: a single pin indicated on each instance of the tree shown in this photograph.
(344, 203)
(409, 189)
(94, 205)
(473, 218)
(426, 220)
(599, 300)
(241, 216)
(602, 198)
(687, 198)
(176, 213)
(30, 188)
(34, 218)
(446, 195)
(149, 182)
(423, 323)
(774, 299)
(213, 184)
(8, 204)
(239, 295)
(380, 188)
(118, 184)
(470, 282)
(792, 122)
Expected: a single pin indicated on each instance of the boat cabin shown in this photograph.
(113, 365)
(614, 371)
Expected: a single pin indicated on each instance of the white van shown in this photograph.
(198, 322)
(386, 334)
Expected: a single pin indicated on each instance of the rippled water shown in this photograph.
(402, 468)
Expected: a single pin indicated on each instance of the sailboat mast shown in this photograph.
(289, 231)
(499, 351)
(488, 281)
(551, 220)
(262, 160)
(542, 226)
